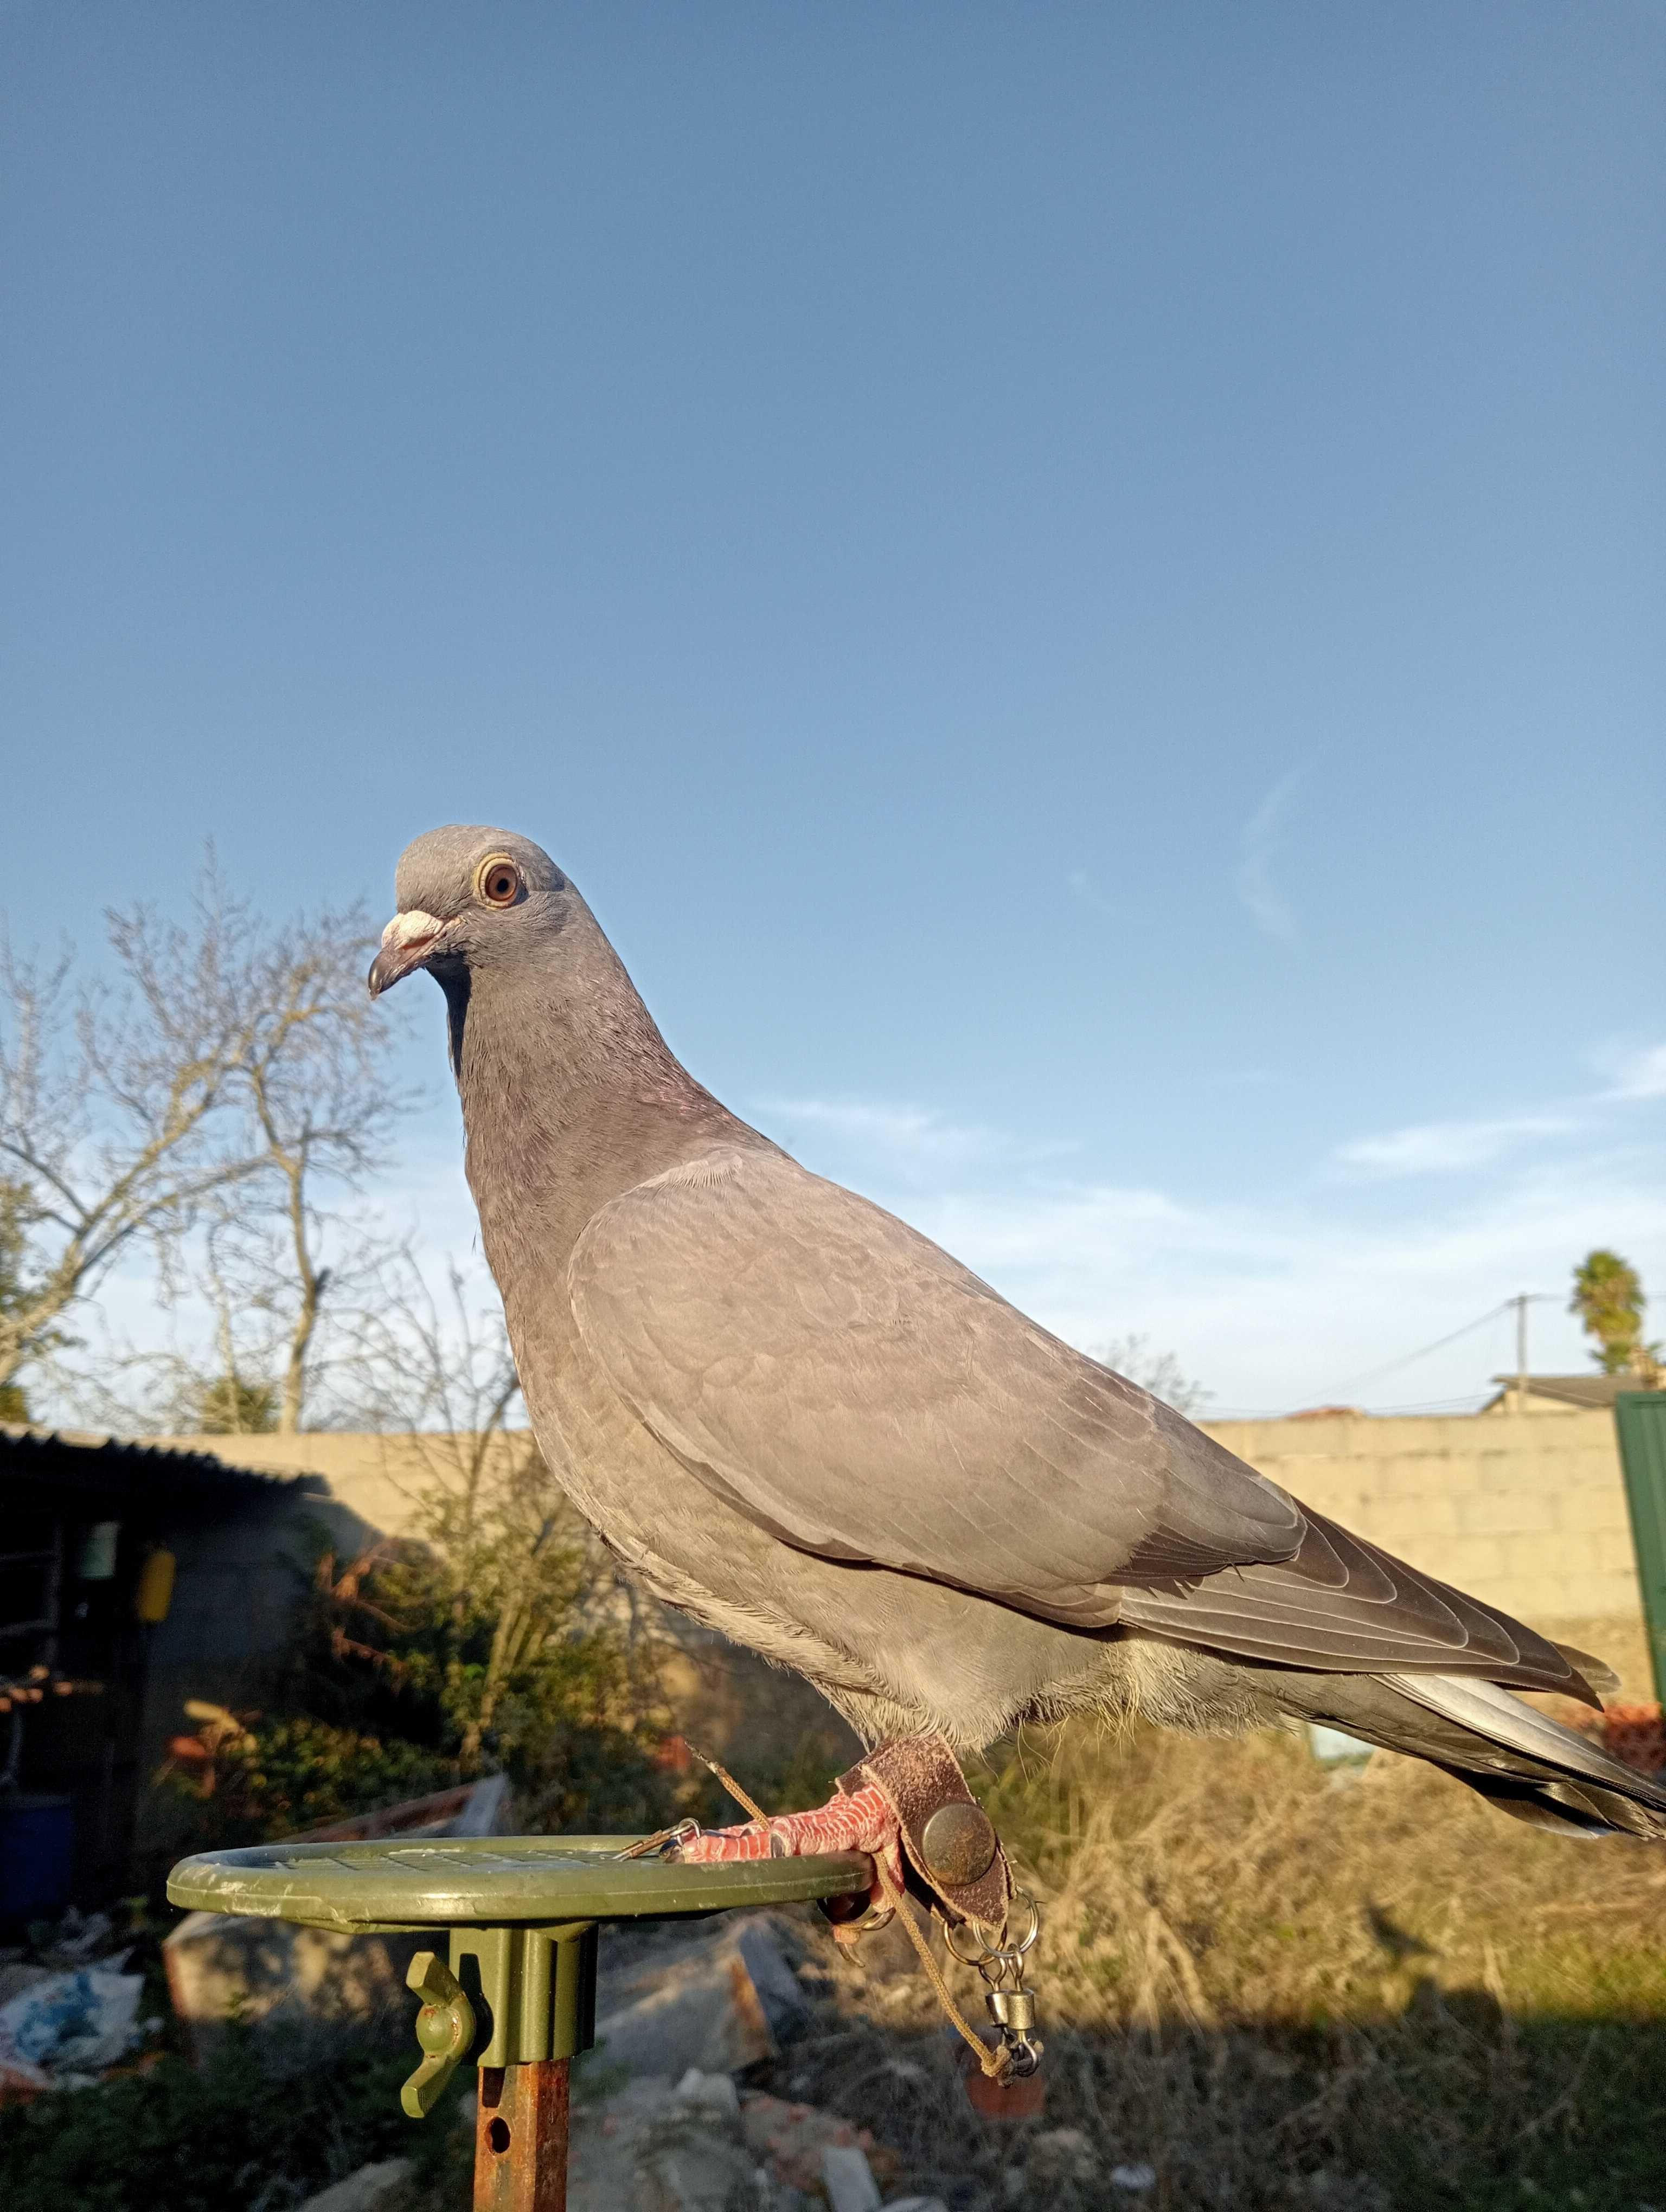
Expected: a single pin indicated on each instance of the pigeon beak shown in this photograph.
(408, 942)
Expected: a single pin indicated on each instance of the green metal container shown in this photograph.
(1639, 1417)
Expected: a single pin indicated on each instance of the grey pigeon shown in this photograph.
(799, 1420)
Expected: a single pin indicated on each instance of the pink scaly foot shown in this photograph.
(858, 1820)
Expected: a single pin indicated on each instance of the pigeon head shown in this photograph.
(469, 898)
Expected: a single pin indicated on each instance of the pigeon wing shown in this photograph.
(853, 1388)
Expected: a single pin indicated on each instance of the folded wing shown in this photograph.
(848, 1386)
(853, 1388)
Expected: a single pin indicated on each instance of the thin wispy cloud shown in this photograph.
(1447, 1147)
(1444, 1147)
(907, 1137)
(1258, 894)
(1273, 1304)
(1641, 1075)
(1276, 1305)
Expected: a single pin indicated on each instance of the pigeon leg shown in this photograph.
(854, 1820)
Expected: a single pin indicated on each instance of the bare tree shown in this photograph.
(433, 1366)
(214, 1380)
(434, 1369)
(113, 1119)
(230, 1069)
(320, 1097)
(13, 1406)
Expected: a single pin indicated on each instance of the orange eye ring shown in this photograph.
(497, 880)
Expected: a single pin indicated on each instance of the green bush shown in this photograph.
(281, 1776)
(487, 1647)
(424, 1665)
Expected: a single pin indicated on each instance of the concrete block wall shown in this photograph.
(1526, 1511)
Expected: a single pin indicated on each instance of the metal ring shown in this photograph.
(1019, 1949)
(950, 1930)
(1005, 1956)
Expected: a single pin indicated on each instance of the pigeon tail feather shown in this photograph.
(1523, 1761)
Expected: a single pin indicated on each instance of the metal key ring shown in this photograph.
(952, 1929)
(1005, 1951)
(1027, 1941)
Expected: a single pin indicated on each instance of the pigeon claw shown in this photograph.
(858, 1820)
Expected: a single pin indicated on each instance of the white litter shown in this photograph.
(71, 2023)
(1136, 2178)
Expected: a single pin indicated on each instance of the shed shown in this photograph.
(79, 1515)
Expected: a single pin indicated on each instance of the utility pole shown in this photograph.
(1522, 1301)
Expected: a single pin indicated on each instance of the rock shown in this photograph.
(790, 2140)
(724, 2001)
(848, 2179)
(687, 2164)
(226, 1966)
(372, 2185)
(714, 2095)
(602, 2154)
(1061, 2156)
(694, 2147)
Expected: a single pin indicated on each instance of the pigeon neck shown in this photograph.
(569, 1094)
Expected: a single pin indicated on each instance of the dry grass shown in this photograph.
(1286, 1988)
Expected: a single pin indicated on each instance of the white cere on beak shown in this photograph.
(406, 944)
(412, 927)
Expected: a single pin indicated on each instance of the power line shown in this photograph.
(1375, 1374)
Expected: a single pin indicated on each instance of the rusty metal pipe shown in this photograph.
(520, 2138)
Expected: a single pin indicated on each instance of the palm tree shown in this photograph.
(1608, 1297)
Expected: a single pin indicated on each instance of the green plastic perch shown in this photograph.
(516, 1991)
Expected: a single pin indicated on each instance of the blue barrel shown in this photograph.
(37, 1855)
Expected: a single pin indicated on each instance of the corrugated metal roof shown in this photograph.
(88, 1459)
(1595, 1392)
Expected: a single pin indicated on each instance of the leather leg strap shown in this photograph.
(949, 1839)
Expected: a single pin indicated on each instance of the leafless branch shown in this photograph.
(234, 1073)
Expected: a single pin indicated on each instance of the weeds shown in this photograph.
(1284, 1987)
(268, 2122)
(1284, 1990)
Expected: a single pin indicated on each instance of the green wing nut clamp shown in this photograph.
(445, 2029)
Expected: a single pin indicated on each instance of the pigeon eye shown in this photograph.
(498, 881)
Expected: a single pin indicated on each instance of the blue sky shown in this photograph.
(1080, 586)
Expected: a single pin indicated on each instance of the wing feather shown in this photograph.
(1341, 1604)
(849, 1386)
(845, 1383)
